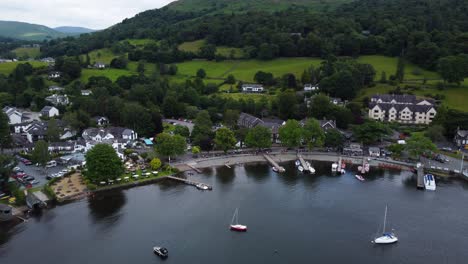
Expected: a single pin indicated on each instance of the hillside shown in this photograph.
(228, 6)
(26, 31)
(74, 30)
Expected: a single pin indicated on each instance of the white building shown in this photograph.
(14, 115)
(55, 75)
(56, 99)
(406, 109)
(49, 111)
(86, 92)
(310, 88)
(252, 88)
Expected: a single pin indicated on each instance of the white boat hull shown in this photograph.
(300, 168)
(429, 182)
(386, 239)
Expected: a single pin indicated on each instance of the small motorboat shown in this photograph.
(300, 168)
(429, 182)
(274, 169)
(311, 169)
(235, 226)
(161, 251)
(298, 163)
(202, 186)
(359, 177)
(343, 171)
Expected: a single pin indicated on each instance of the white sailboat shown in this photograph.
(387, 237)
(235, 226)
(311, 169)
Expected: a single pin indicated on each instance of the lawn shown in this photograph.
(27, 52)
(141, 42)
(245, 96)
(112, 74)
(245, 69)
(101, 55)
(192, 46)
(389, 64)
(8, 67)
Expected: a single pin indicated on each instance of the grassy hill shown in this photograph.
(26, 31)
(228, 6)
(8, 67)
(27, 52)
(74, 30)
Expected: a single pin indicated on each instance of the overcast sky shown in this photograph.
(95, 14)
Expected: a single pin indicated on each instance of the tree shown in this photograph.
(5, 137)
(418, 144)
(230, 79)
(103, 163)
(202, 134)
(258, 137)
(201, 73)
(225, 139)
(168, 145)
(53, 131)
(208, 51)
(400, 71)
(141, 67)
(182, 131)
(287, 104)
(155, 164)
(333, 138)
(291, 133)
(313, 134)
(383, 77)
(435, 133)
(40, 153)
(396, 150)
(371, 131)
(119, 62)
(453, 68)
(196, 150)
(230, 118)
(7, 163)
(264, 78)
(37, 82)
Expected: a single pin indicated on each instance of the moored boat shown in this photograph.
(334, 167)
(202, 186)
(274, 169)
(359, 177)
(297, 162)
(235, 226)
(300, 168)
(309, 166)
(429, 182)
(386, 237)
(161, 251)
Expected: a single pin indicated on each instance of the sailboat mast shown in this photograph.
(234, 217)
(385, 219)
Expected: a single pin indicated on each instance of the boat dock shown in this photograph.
(193, 168)
(303, 163)
(189, 182)
(420, 176)
(273, 163)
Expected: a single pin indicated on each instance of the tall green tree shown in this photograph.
(103, 163)
(313, 134)
(287, 104)
(40, 153)
(53, 131)
(201, 73)
(170, 145)
(418, 144)
(258, 137)
(333, 138)
(291, 133)
(230, 118)
(371, 131)
(7, 163)
(225, 139)
(5, 137)
(400, 70)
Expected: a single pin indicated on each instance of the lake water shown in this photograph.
(292, 218)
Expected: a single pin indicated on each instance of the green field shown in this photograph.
(141, 42)
(388, 65)
(7, 67)
(112, 74)
(245, 96)
(27, 52)
(101, 55)
(192, 46)
(245, 69)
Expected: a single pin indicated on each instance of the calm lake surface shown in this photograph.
(304, 218)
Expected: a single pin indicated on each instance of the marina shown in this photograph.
(275, 207)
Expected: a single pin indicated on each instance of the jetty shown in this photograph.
(189, 182)
(193, 168)
(303, 163)
(273, 163)
(420, 176)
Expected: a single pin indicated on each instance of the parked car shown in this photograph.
(20, 175)
(34, 182)
(29, 178)
(17, 169)
(26, 162)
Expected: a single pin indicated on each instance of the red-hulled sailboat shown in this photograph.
(235, 223)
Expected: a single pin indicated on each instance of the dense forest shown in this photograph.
(422, 30)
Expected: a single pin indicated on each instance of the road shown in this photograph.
(178, 122)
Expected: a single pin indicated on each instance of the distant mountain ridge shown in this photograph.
(74, 30)
(35, 32)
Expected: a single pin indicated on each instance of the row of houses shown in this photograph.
(18, 116)
(258, 88)
(249, 121)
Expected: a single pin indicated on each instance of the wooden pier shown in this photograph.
(273, 163)
(189, 182)
(303, 163)
(420, 176)
(193, 168)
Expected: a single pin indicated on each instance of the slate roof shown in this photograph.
(399, 107)
(117, 132)
(246, 120)
(399, 98)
